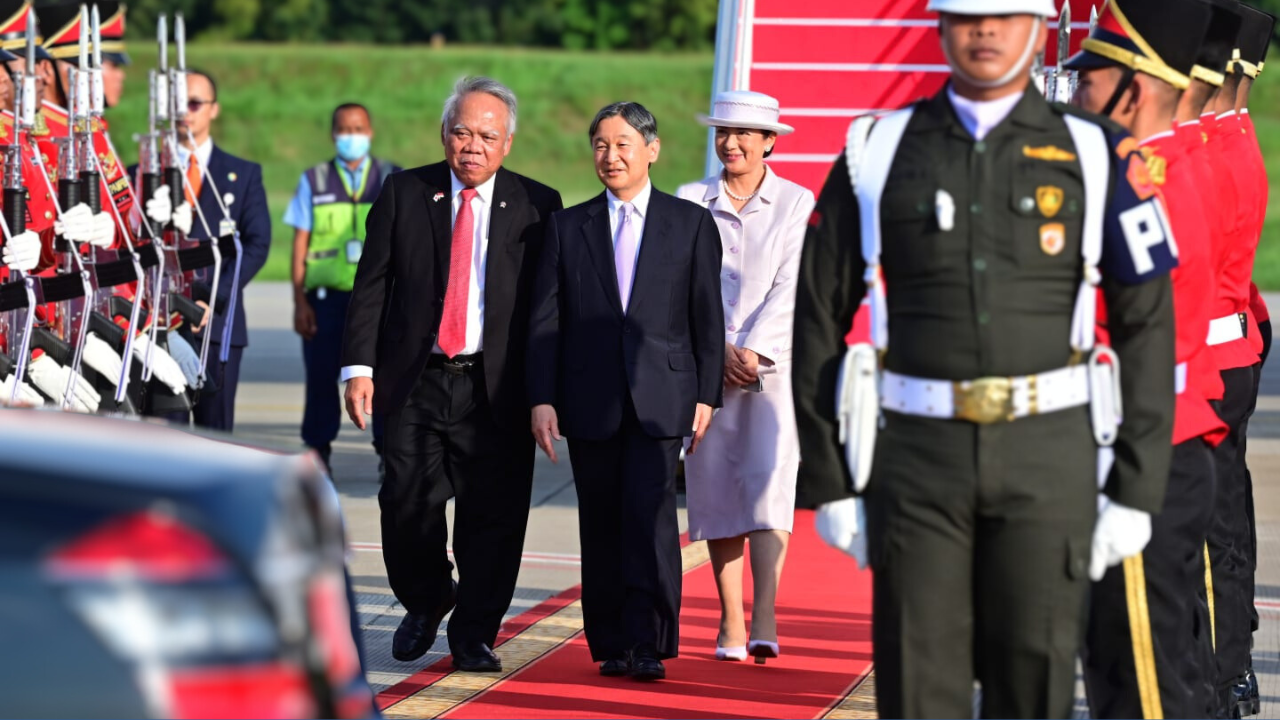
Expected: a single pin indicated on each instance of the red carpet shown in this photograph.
(824, 626)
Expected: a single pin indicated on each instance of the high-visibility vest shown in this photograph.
(338, 214)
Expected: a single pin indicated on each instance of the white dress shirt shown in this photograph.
(640, 203)
(481, 205)
(980, 117)
(203, 151)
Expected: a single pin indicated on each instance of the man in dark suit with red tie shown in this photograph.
(626, 356)
(437, 324)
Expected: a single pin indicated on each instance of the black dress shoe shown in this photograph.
(1245, 695)
(615, 667)
(417, 631)
(476, 657)
(646, 666)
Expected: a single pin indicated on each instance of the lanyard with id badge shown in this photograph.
(355, 246)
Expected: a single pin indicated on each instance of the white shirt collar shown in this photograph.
(359, 168)
(203, 151)
(980, 117)
(640, 202)
(485, 189)
(768, 192)
(1158, 136)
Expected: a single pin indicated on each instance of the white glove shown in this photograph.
(160, 206)
(51, 378)
(76, 224)
(102, 357)
(182, 218)
(841, 524)
(163, 367)
(186, 357)
(27, 395)
(1121, 532)
(104, 230)
(22, 251)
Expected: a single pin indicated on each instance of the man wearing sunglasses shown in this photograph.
(217, 180)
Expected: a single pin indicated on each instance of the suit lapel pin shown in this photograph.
(231, 177)
(502, 204)
(437, 197)
(228, 199)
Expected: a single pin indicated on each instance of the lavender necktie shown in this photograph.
(624, 253)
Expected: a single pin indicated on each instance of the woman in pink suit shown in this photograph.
(741, 482)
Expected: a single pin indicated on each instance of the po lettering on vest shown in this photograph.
(1145, 227)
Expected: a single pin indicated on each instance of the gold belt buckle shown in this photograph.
(984, 401)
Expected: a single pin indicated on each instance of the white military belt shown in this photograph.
(1225, 329)
(987, 400)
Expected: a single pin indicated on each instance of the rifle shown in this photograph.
(206, 253)
(1064, 79)
(20, 292)
(73, 289)
(110, 267)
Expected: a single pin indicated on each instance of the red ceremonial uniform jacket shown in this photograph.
(41, 210)
(1226, 147)
(1202, 173)
(1193, 281)
(1258, 168)
(115, 184)
(1257, 305)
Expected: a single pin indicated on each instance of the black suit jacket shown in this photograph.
(241, 181)
(666, 353)
(398, 298)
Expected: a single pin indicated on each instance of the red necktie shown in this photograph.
(453, 323)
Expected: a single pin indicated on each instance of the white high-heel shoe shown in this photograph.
(736, 654)
(762, 650)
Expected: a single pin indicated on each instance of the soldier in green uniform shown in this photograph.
(983, 223)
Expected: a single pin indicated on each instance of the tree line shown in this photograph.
(569, 24)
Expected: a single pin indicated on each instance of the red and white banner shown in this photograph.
(828, 61)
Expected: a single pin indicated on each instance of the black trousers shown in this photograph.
(1149, 647)
(979, 536)
(217, 410)
(1231, 537)
(1253, 523)
(446, 443)
(322, 357)
(630, 537)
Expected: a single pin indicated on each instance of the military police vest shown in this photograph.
(338, 214)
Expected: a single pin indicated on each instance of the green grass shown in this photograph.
(276, 102)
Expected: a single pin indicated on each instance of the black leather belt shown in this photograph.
(457, 365)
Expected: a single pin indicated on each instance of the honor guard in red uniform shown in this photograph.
(45, 373)
(63, 46)
(1232, 539)
(1147, 645)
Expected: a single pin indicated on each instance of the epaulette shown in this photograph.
(855, 143)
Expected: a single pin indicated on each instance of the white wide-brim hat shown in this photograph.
(745, 109)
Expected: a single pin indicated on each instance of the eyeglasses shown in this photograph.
(195, 105)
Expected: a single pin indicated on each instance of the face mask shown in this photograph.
(352, 147)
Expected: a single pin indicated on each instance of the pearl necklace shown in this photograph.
(739, 198)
